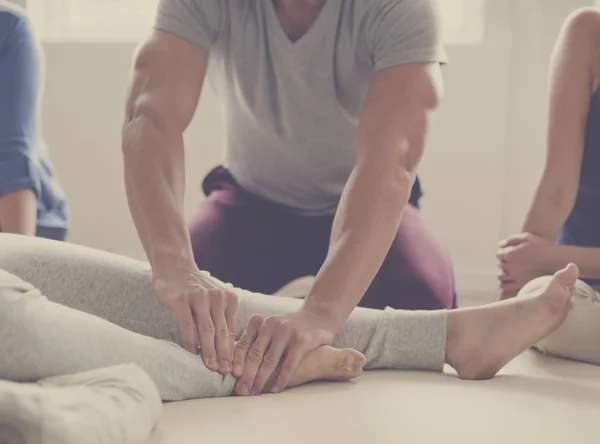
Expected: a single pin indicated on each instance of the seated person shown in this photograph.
(563, 223)
(66, 309)
(31, 200)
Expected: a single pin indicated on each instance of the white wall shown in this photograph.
(479, 172)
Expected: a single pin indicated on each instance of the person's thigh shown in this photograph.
(578, 338)
(253, 244)
(416, 273)
(112, 287)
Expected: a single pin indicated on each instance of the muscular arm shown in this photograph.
(167, 82)
(391, 139)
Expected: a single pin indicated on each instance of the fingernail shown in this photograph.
(225, 367)
(237, 370)
(243, 390)
(275, 389)
(212, 364)
(253, 391)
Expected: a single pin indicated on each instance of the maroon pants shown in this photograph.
(261, 246)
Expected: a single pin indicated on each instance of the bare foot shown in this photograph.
(328, 363)
(482, 340)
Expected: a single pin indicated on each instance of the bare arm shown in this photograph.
(168, 77)
(573, 81)
(391, 139)
(167, 82)
(18, 212)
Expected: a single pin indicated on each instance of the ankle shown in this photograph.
(453, 334)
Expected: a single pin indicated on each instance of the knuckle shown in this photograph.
(270, 360)
(186, 323)
(232, 300)
(206, 328)
(242, 344)
(222, 333)
(257, 320)
(254, 354)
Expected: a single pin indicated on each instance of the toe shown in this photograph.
(568, 276)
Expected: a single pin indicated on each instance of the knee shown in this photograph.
(578, 338)
(12, 289)
(535, 285)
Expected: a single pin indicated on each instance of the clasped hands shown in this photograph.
(522, 258)
(270, 348)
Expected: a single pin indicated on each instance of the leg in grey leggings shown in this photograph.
(96, 309)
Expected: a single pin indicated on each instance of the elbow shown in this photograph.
(142, 123)
(560, 195)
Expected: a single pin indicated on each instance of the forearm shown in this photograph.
(587, 260)
(18, 212)
(364, 228)
(155, 185)
(551, 206)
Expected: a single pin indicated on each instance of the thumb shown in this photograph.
(515, 240)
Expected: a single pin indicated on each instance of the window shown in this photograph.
(130, 20)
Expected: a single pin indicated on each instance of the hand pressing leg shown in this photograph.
(477, 342)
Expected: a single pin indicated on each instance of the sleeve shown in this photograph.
(197, 21)
(405, 31)
(19, 94)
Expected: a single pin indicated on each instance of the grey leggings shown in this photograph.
(66, 309)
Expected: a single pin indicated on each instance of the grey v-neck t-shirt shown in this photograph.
(292, 108)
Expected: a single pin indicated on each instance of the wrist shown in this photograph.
(554, 259)
(166, 264)
(326, 315)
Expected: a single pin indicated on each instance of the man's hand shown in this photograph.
(271, 340)
(203, 306)
(523, 258)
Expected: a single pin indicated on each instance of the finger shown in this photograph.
(187, 326)
(503, 276)
(295, 354)
(230, 312)
(515, 240)
(271, 361)
(206, 333)
(244, 343)
(509, 286)
(222, 338)
(501, 254)
(254, 358)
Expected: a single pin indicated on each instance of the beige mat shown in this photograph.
(534, 400)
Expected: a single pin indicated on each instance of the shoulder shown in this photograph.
(400, 9)
(13, 22)
(12, 16)
(580, 36)
(407, 18)
(582, 26)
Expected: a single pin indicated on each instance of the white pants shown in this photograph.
(578, 338)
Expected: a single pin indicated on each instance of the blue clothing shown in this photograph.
(24, 161)
(583, 225)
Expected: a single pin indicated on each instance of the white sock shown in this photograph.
(114, 405)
